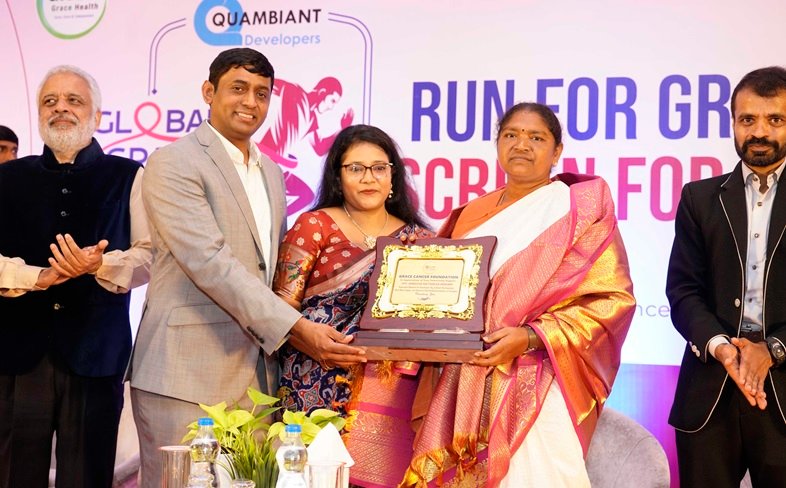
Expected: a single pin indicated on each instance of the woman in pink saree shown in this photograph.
(557, 312)
(323, 270)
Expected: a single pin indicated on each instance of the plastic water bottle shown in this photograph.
(291, 458)
(204, 451)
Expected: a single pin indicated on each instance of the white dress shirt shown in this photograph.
(254, 184)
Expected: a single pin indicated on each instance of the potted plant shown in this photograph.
(249, 443)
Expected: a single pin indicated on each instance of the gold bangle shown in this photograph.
(532, 339)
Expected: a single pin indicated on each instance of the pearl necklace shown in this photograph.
(369, 241)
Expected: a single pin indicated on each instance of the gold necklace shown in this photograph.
(369, 241)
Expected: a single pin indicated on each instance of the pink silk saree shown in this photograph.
(572, 286)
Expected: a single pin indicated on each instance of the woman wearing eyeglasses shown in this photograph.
(323, 270)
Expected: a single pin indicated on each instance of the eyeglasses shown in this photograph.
(357, 171)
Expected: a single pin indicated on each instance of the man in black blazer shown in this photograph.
(727, 288)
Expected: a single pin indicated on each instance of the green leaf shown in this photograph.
(322, 414)
(290, 417)
(275, 430)
(193, 427)
(239, 418)
(266, 412)
(186, 438)
(338, 423)
(217, 412)
(259, 398)
(309, 431)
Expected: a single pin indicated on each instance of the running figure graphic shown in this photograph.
(298, 120)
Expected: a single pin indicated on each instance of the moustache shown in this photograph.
(62, 118)
(762, 141)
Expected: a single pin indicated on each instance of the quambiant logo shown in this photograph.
(221, 22)
(70, 19)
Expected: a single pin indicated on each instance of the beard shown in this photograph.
(66, 140)
(759, 158)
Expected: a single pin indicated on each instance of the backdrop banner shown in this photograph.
(642, 90)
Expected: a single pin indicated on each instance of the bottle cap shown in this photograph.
(293, 428)
(206, 421)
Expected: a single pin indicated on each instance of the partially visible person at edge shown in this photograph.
(324, 266)
(9, 144)
(75, 238)
(557, 312)
(726, 285)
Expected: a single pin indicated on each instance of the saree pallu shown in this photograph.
(571, 284)
(320, 268)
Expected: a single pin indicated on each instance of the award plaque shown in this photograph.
(426, 300)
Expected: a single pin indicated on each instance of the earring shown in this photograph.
(390, 195)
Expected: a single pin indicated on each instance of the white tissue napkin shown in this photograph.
(327, 447)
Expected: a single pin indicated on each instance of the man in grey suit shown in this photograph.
(217, 213)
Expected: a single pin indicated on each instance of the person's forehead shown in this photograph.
(66, 83)
(7, 143)
(519, 126)
(750, 95)
(240, 73)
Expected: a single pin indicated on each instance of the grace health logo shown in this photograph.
(70, 19)
(203, 20)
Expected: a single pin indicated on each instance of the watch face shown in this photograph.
(777, 350)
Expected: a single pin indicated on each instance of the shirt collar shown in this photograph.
(85, 157)
(235, 154)
(747, 172)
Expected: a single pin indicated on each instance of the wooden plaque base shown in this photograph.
(419, 346)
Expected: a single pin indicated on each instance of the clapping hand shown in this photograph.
(49, 277)
(70, 260)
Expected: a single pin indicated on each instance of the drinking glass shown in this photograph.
(177, 466)
(325, 474)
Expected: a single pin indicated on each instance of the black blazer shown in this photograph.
(706, 287)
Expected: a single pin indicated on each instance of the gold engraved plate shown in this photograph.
(431, 281)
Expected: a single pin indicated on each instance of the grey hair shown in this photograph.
(95, 92)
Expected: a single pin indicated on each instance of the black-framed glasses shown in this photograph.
(358, 171)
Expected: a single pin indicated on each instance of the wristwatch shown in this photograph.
(777, 351)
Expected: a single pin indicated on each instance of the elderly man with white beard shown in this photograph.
(73, 242)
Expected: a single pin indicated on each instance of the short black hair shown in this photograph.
(548, 116)
(250, 59)
(765, 82)
(7, 134)
(329, 195)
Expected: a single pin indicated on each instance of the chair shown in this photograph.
(623, 454)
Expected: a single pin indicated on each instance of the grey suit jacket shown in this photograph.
(209, 306)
